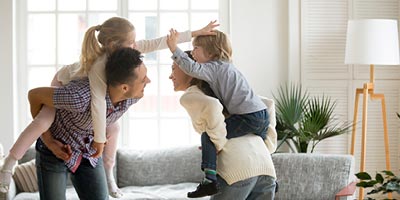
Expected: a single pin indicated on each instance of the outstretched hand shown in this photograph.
(172, 40)
(99, 147)
(207, 30)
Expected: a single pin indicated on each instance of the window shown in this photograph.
(50, 36)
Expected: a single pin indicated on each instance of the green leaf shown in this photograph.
(379, 178)
(366, 184)
(389, 173)
(363, 176)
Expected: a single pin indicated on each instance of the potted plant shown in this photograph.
(384, 182)
(304, 120)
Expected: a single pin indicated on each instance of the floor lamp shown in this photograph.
(371, 42)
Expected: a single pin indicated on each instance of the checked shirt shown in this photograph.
(73, 122)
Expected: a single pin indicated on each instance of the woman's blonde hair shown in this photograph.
(218, 46)
(112, 34)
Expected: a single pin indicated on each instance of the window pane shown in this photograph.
(71, 5)
(146, 27)
(142, 134)
(41, 39)
(40, 76)
(199, 20)
(142, 5)
(180, 134)
(98, 18)
(204, 4)
(165, 55)
(178, 21)
(71, 29)
(41, 5)
(174, 4)
(103, 5)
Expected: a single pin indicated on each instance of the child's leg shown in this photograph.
(31, 133)
(109, 159)
(256, 123)
(209, 164)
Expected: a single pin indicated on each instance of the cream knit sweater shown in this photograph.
(242, 157)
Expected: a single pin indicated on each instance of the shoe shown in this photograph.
(4, 187)
(204, 189)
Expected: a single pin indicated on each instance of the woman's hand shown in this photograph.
(207, 30)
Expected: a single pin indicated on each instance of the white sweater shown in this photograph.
(242, 157)
(98, 83)
(206, 115)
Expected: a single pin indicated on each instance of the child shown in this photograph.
(113, 34)
(247, 112)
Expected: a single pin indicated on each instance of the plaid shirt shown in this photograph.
(73, 122)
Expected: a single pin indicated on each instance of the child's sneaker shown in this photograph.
(204, 189)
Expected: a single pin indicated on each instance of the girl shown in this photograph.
(113, 34)
(247, 112)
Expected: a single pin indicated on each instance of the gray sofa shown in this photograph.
(147, 174)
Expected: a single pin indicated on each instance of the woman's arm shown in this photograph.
(206, 115)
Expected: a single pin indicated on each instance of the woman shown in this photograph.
(239, 175)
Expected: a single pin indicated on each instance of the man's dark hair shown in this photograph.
(121, 64)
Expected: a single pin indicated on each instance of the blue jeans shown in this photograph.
(236, 126)
(89, 183)
(255, 188)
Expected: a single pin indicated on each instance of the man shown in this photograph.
(126, 80)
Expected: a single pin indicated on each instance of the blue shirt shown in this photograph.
(73, 122)
(227, 82)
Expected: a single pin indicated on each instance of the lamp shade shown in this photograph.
(372, 41)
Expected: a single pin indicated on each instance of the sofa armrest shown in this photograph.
(347, 191)
(12, 192)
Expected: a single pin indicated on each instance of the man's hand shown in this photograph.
(99, 147)
(207, 30)
(172, 40)
(60, 150)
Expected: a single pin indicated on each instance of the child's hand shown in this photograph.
(207, 30)
(172, 40)
(99, 147)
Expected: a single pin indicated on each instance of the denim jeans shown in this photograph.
(255, 188)
(236, 126)
(89, 183)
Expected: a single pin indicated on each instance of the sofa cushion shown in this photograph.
(160, 166)
(304, 176)
(25, 177)
(169, 191)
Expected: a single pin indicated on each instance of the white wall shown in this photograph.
(7, 80)
(259, 33)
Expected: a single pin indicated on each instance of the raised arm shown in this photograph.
(146, 46)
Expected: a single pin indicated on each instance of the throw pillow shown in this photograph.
(25, 177)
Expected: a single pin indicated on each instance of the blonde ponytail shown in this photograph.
(111, 35)
(91, 50)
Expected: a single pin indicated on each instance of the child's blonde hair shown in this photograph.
(218, 46)
(112, 33)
